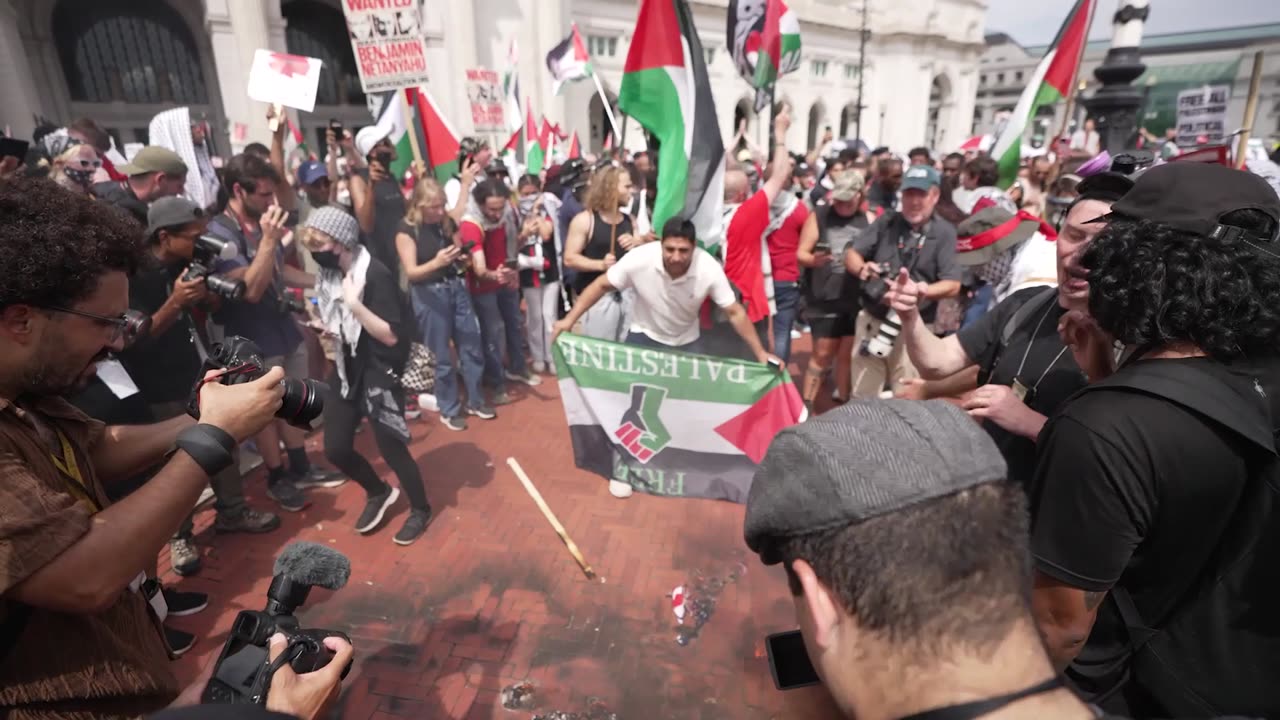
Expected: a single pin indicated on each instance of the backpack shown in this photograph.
(1219, 645)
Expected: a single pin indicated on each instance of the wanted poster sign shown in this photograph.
(387, 39)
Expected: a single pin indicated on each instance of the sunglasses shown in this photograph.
(129, 325)
(86, 164)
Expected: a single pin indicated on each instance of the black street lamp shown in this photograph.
(1115, 105)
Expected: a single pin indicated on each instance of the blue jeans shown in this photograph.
(979, 306)
(787, 297)
(513, 330)
(444, 314)
(490, 316)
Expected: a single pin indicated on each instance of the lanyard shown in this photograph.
(1027, 352)
(970, 710)
(70, 470)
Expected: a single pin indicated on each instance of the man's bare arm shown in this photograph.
(1065, 616)
(126, 450)
(742, 325)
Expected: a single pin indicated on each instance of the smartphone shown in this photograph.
(336, 127)
(13, 147)
(775, 364)
(511, 264)
(468, 246)
(789, 661)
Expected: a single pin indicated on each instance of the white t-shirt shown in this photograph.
(667, 310)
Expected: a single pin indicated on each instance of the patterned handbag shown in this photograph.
(419, 374)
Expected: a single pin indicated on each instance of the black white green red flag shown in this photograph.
(765, 38)
(671, 423)
(568, 61)
(665, 88)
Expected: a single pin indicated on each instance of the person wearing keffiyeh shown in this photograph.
(362, 309)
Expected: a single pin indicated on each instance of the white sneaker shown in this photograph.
(619, 489)
(530, 379)
(796, 335)
(539, 368)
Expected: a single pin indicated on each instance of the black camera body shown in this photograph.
(290, 304)
(243, 362)
(206, 251)
(243, 672)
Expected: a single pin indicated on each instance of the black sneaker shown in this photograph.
(375, 508)
(413, 527)
(501, 397)
(184, 603)
(287, 495)
(456, 424)
(179, 642)
(484, 412)
(184, 556)
(316, 477)
(246, 520)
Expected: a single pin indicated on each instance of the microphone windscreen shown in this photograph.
(309, 563)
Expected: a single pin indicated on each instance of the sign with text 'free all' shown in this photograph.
(388, 43)
(1202, 115)
(484, 90)
(288, 80)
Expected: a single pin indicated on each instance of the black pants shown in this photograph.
(385, 410)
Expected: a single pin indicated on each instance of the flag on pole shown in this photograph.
(665, 88)
(534, 152)
(511, 90)
(513, 144)
(765, 38)
(569, 61)
(1050, 84)
(575, 150)
(391, 118)
(442, 145)
(547, 136)
(671, 423)
(294, 140)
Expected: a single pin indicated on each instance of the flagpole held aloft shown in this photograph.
(608, 107)
(408, 116)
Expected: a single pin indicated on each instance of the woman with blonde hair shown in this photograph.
(598, 237)
(75, 167)
(436, 267)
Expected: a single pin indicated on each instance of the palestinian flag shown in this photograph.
(511, 90)
(534, 153)
(392, 118)
(671, 423)
(569, 61)
(765, 38)
(1051, 84)
(548, 137)
(575, 150)
(441, 148)
(665, 88)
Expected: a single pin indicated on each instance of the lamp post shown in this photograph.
(1115, 105)
(863, 33)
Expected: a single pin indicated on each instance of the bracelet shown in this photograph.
(211, 447)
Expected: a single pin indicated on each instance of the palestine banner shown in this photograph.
(665, 88)
(765, 38)
(671, 423)
(1051, 84)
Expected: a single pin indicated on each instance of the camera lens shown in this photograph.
(303, 401)
(229, 289)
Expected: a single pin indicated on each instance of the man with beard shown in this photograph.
(154, 173)
(79, 630)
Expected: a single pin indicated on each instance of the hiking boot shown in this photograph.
(246, 520)
(413, 527)
(316, 477)
(179, 642)
(484, 412)
(456, 424)
(375, 508)
(184, 556)
(287, 495)
(528, 379)
(182, 603)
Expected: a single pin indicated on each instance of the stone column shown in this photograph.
(237, 28)
(21, 98)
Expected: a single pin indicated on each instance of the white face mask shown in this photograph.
(344, 197)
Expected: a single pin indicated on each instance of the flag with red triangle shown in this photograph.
(534, 152)
(575, 150)
(442, 142)
(568, 61)
(547, 136)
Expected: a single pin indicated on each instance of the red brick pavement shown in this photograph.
(490, 597)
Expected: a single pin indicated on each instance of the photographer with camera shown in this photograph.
(255, 225)
(79, 629)
(925, 245)
(168, 288)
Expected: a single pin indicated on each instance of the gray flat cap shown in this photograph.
(866, 459)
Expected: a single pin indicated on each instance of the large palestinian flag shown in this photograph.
(765, 39)
(665, 88)
(1050, 84)
(671, 423)
(442, 145)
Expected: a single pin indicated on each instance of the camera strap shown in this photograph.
(978, 708)
(69, 468)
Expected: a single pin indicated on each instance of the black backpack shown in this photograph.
(1218, 649)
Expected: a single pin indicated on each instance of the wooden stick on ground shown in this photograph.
(551, 518)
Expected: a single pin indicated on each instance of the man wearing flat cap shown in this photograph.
(906, 553)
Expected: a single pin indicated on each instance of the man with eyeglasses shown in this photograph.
(154, 173)
(80, 630)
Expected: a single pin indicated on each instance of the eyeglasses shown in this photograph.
(129, 325)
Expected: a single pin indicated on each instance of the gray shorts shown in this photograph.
(295, 364)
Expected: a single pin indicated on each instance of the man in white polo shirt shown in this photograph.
(672, 279)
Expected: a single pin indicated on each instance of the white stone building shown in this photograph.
(122, 61)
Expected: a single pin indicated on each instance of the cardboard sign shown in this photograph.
(484, 90)
(388, 43)
(1202, 115)
(280, 79)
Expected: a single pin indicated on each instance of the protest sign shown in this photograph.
(388, 43)
(671, 423)
(1202, 115)
(484, 90)
(280, 79)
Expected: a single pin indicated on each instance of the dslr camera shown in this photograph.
(873, 292)
(242, 361)
(208, 250)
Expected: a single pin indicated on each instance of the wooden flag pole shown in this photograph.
(1250, 110)
(551, 518)
(407, 117)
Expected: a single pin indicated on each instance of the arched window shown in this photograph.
(318, 30)
(126, 51)
(817, 115)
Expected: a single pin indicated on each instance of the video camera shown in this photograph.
(242, 360)
(244, 671)
(209, 249)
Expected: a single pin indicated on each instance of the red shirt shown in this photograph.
(494, 246)
(783, 244)
(743, 262)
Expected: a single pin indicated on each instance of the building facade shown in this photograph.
(123, 61)
(1175, 62)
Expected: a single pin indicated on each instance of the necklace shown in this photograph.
(1018, 385)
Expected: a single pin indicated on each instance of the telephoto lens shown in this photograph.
(302, 403)
(229, 289)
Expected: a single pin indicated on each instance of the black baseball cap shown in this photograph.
(1193, 197)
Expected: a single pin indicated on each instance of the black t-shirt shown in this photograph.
(429, 239)
(388, 214)
(932, 261)
(372, 361)
(164, 366)
(1049, 371)
(1134, 490)
(600, 238)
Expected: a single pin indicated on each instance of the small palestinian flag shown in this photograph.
(534, 153)
(569, 61)
(671, 423)
(575, 150)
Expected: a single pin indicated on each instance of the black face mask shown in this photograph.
(327, 259)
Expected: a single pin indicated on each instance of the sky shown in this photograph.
(1035, 22)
